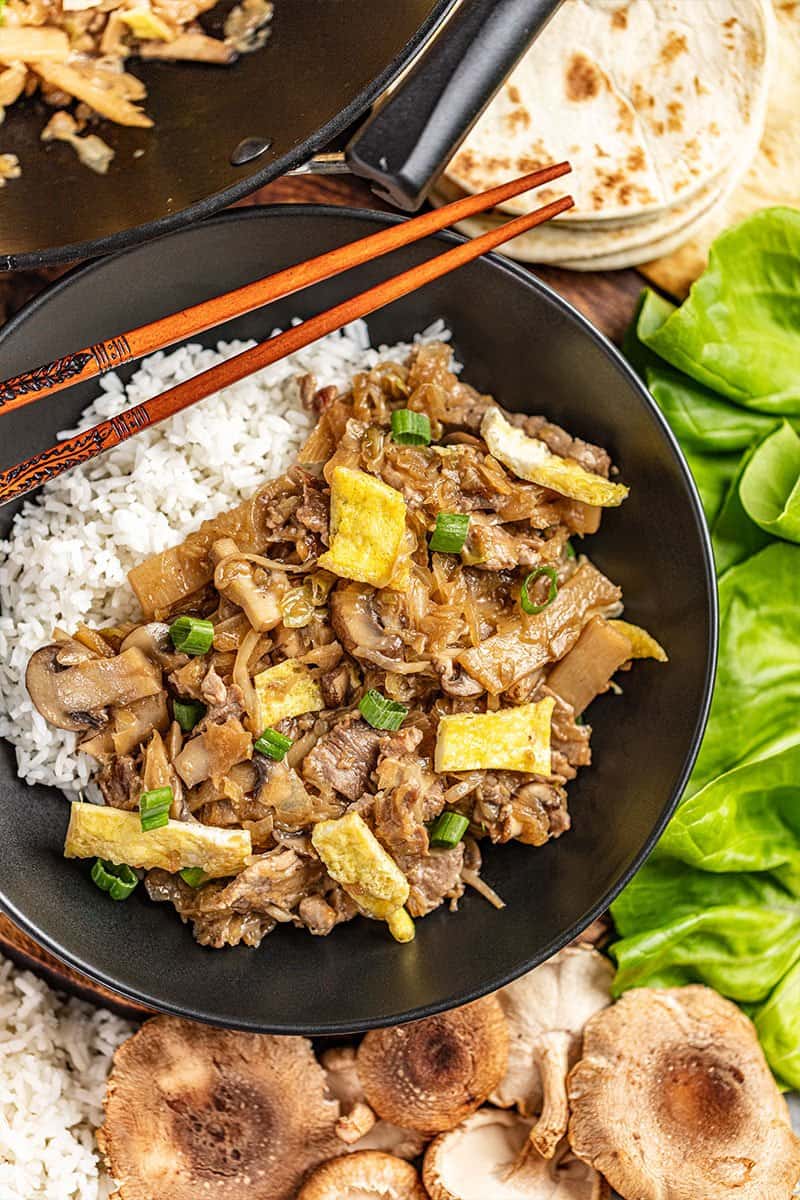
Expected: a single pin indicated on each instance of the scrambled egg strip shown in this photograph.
(512, 739)
(368, 521)
(530, 459)
(643, 644)
(355, 858)
(286, 690)
(97, 831)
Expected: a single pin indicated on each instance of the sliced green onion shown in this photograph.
(273, 744)
(450, 533)
(192, 635)
(448, 829)
(194, 876)
(411, 428)
(527, 604)
(116, 879)
(187, 713)
(570, 550)
(154, 808)
(380, 712)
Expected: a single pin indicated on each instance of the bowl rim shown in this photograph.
(521, 277)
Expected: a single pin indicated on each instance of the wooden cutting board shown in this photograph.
(606, 298)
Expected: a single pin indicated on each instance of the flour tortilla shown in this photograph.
(557, 241)
(648, 99)
(773, 177)
(610, 251)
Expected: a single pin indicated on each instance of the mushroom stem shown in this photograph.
(551, 1053)
(355, 1124)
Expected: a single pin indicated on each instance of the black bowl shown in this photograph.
(533, 352)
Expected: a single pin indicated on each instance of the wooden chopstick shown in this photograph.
(25, 476)
(146, 339)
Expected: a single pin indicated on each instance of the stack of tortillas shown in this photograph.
(659, 105)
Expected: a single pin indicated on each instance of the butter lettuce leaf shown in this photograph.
(713, 475)
(776, 1023)
(739, 330)
(700, 419)
(738, 933)
(734, 536)
(770, 484)
(756, 701)
(650, 314)
(745, 820)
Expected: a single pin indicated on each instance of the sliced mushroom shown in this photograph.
(431, 1074)
(367, 1175)
(155, 643)
(455, 681)
(235, 578)
(75, 697)
(489, 1157)
(345, 1086)
(190, 1110)
(129, 727)
(673, 1100)
(546, 1011)
(358, 625)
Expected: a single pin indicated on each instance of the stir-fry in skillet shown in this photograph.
(73, 54)
(341, 685)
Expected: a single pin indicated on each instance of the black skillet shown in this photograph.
(222, 132)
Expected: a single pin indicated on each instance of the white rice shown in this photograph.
(55, 1055)
(69, 550)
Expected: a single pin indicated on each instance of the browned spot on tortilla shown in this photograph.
(599, 151)
(472, 169)
(674, 46)
(730, 23)
(526, 163)
(583, 79)
(614, 188)
(714, 129)
(513, 93)
(753, 49)
(675, 118)
(619, 19)
(641, 98)
(625, 122)
(699, 88)
(636, 159)
(658, 127)
(517, 118)
(691, 150)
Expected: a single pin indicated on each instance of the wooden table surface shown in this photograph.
(606, 298)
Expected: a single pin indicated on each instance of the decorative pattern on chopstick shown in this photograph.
(25, 476)
(64, 372)
(156, 335)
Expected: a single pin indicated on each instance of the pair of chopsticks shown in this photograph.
(94, 360)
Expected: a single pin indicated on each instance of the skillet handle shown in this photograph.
(407, 143)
